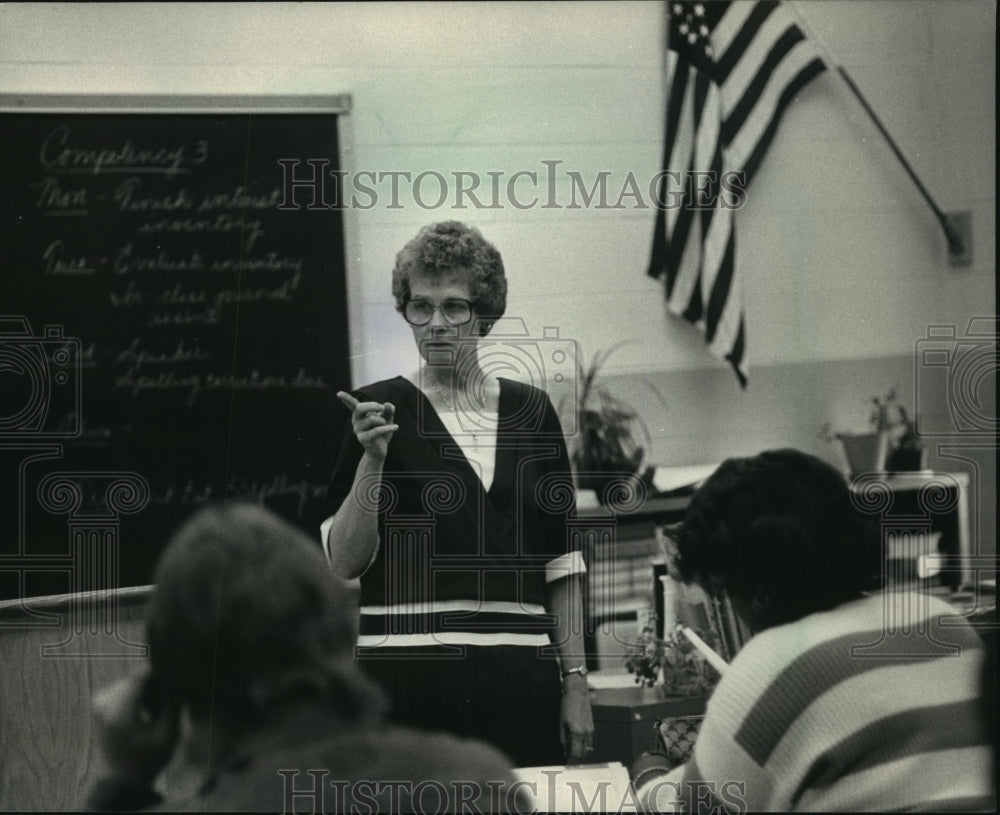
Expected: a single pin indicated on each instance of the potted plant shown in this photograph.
(906, 451)
(891, 444)
(672, 664)
(612, 438)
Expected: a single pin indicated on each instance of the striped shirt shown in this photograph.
(872, 706)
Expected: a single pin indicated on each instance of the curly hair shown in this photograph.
(449, 248)
(779, 526)
(246, 614)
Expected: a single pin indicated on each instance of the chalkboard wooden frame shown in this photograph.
(87, 507)
(175, 103)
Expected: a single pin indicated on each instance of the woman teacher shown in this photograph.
(449, 500)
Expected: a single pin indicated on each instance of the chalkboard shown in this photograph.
(173, 326)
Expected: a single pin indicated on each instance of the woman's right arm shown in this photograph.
(351, 534)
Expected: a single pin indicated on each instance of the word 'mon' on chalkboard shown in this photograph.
(168, 335)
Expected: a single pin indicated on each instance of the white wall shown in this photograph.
(844, 263)
(831, 218)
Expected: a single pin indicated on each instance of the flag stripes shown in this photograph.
(732, 70)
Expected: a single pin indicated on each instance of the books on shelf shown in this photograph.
(691, 606)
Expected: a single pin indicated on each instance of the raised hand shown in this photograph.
(372, 422)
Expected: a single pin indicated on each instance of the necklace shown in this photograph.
(469, 426)
(440, 394)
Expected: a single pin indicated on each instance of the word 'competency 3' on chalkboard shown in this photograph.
(169, 335)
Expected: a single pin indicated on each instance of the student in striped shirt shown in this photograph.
(845, 699)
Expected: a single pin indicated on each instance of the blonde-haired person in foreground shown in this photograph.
(253, 701)
(834, 704)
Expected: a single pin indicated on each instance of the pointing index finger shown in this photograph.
(349, 401)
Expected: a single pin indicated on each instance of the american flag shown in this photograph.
(732, 68)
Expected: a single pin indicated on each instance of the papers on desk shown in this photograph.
(672, 479)
(579, 788)
(678, 480)
(606, 678)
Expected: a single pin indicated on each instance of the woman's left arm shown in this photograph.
(564, 596)
(576, 722)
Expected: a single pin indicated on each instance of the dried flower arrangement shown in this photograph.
(672, 663)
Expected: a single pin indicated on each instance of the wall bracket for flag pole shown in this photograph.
(957, 226)
(960, 224)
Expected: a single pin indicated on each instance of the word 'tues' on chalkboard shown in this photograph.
(168, 335)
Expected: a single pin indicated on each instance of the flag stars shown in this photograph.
(690, 28)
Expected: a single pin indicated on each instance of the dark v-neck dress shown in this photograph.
(453, 624)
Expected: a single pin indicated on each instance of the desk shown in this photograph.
(625, 718)
(57, 652)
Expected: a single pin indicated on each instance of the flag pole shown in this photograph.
(956, 247)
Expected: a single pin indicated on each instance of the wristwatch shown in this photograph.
(579, 669)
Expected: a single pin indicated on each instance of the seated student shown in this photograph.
(841, 700)
(253, 701)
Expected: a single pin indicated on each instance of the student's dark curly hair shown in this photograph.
(779, 531)
(445, 248)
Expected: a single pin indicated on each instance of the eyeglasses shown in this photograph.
(454, 311)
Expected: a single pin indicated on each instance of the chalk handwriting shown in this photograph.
(135, 383)
(221, 223)
(136, 356)
(281, 293)
(207, 316)
(271, 262)
(165, 381)
(240, 487)
(255, 380)
(179, 296)
(58, 154)
(64, 201)
(240, 199)
(129, 198)
(57, 261)
(129, 262)
(189, 495)
(280, 486)
(89, 434)
(131, 298)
